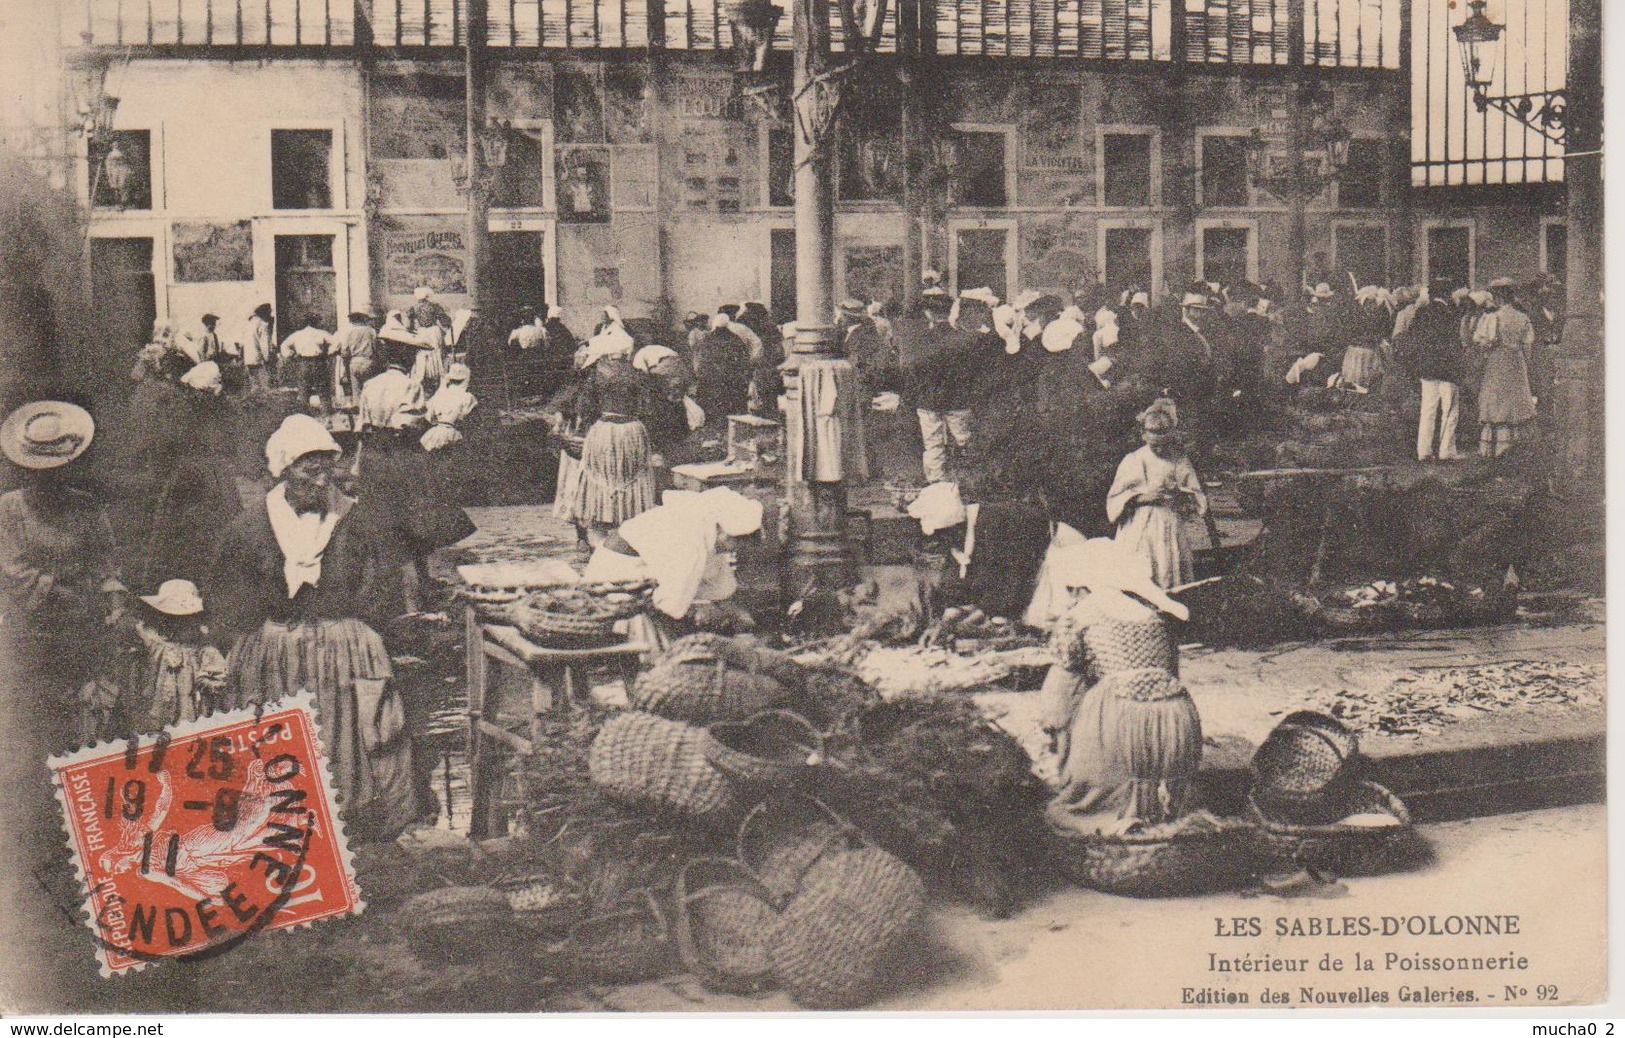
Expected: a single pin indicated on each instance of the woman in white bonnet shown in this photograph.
(296, 583)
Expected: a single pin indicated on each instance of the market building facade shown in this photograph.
(309, 155)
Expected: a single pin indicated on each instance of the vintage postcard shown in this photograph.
(539, 506)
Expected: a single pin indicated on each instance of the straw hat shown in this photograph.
(1102, 565)
(176, 598)
(46, 434)
(1323, 291)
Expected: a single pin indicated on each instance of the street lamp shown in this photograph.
(753, 23)
(1478, 41)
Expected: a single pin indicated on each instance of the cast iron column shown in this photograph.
(479, 189)
(820, 558)
(1578, 363)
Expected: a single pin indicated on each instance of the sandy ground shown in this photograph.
(1082, 949)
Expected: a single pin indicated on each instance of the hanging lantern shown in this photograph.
(863, 21)
(494, 144)
(1478, 39)
(753, 22)
(1336, 136)
(117, 172)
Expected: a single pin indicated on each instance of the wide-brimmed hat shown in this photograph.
(46, 434)
(981, 295)
(422, 292)
(176, 598)
(1196, 301)
(1323, 291)
(1060, 334)
(1101, 564)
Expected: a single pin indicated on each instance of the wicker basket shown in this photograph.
(454, 923)
(1340, 848)
(772, 748)
(563, 630)
(621, 599)
(723, 924)
(705, 692)
(543, 904)
(836, 942)
(1302, 766)
(656, 763)
(779, 840)
(632, 943)
(1191, 856)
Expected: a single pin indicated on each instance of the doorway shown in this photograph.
(306, 282)
(124, 298)
(1450, 254)
(781, 276)
(518, 275)
(981, 260)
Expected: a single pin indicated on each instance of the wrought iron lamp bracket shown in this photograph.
(1545, 112)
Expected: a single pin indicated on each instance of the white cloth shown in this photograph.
(938, 507)
(298, 435)
(676, 543)
(301, 537)
(611, 341)
(204, 377)
(693, 414)
(1106, 331)
(450, 404)
(307, 342)
(1441, 411)
(1050, 598)
(646, 358)
(935, 428)
(1060, 334)
(1294, 374)
(386, 393)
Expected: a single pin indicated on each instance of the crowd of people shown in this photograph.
(200, 583)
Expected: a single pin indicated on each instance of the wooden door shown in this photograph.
(306, 282)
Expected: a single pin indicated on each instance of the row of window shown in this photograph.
(971, 169)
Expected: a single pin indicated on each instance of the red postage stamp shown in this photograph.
(189, 841)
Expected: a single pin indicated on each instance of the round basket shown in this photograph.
(1303, 763)
(451, 923)
(621, 599)
(1191, 856)
(1373, 835)
(779, 841)
(632, 943)
(565, 630)
(772, 748)
(652, 762)
(542, 904)
(837, 941)
(723, 924)
(705, 691)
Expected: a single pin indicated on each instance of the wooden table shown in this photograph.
(513, 684)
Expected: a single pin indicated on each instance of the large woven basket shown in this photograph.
(1367, 619)
(455, 923)
(779, 840)
(724, 923)
(562, 630)
(631, 943)
(1195, 855)
(1345, 848)
(656, 763)
(1302, 766)
(705, 692)
(772, 748)
(837, 940)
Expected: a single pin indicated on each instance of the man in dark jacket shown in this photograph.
(1431, 350)
(936, 358)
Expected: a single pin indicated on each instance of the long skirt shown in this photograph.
(1131, 754)
(1496, 438)
(1361, 365)
(1155, 532)
(342, 662)
(617, 481)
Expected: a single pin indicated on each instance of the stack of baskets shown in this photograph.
(452, 923)
(809, 904)
(1311, 807)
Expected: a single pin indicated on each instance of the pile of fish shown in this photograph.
(1427, 702)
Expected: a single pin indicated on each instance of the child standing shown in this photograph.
(181, 676)
(1155, 485)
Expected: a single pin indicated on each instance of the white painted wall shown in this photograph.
(211, 126)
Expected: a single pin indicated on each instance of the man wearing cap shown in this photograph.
(938, 368)
(1430, 349)
(258, 350)
(203, 344)
(1506, 407)
(353, 356)
(864, 347)
(57, 571)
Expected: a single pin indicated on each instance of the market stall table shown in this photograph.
(513, 683)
